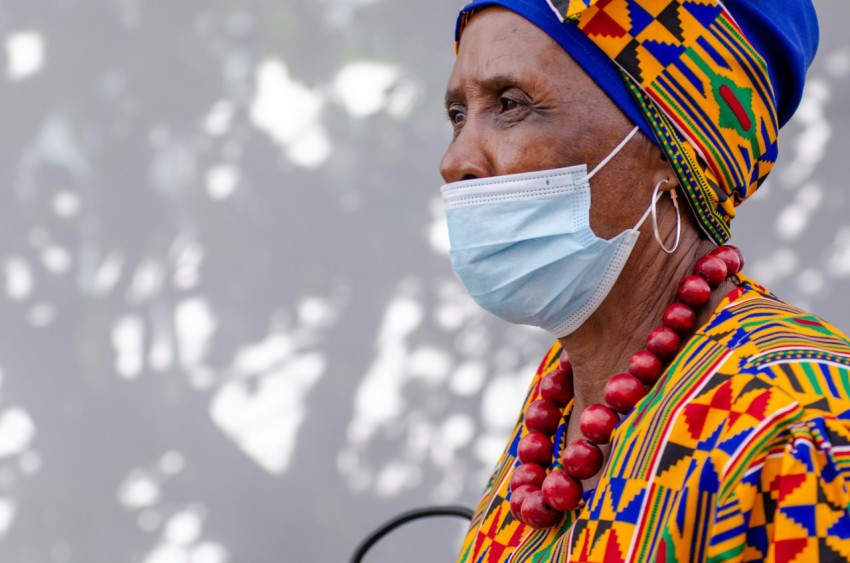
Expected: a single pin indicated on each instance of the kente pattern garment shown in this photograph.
(703, 88)
(740, 452)
(706, 91)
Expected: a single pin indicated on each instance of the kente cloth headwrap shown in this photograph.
(709, 82)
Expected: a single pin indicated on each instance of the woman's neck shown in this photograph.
(602, 346)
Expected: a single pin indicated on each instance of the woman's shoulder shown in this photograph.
(761, 378)
(759, 328)
(772, 344)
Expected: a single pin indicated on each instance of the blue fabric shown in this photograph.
(785, 32)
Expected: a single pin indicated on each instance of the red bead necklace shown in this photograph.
(540, 500)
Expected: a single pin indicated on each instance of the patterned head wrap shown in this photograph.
(709, 82)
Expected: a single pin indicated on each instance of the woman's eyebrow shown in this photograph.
(452, 95)
(492, 83)
(499, 81)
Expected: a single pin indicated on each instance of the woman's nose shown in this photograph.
(467, 157)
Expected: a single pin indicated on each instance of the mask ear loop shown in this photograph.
(655, 199)
(612, 154)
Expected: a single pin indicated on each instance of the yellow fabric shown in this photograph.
(741, 452)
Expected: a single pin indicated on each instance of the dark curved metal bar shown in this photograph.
(404, 518)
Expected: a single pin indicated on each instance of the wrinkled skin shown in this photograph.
(519, 103)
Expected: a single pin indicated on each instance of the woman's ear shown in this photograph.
(660, 169)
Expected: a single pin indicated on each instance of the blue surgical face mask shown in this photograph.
(523, 246)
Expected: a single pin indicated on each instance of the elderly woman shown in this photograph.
(685, 413)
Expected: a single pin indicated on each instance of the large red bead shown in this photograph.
(517, 496)
(645, 366)
(680, 318)
(623, 391)
(597, 422)
(582, 459)
(537, 514)
(694, 291)
(561, 492)
(527, 474)
(557, 387)
(730, 257)
(543, 416)
(663, 342)
(712, 269)
(535, 448)
(739, 253)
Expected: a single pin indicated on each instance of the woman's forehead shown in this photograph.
(499, 45)
(495, 30)
(501, 49)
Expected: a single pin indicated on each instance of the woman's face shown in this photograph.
(518, 103)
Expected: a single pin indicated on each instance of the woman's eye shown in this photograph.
(456, 116)
(509, 104)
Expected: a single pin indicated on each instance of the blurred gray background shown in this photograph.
(229, 329)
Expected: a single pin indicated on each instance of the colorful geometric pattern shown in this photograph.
(711, 91)
(741, 452)
(704, 89)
